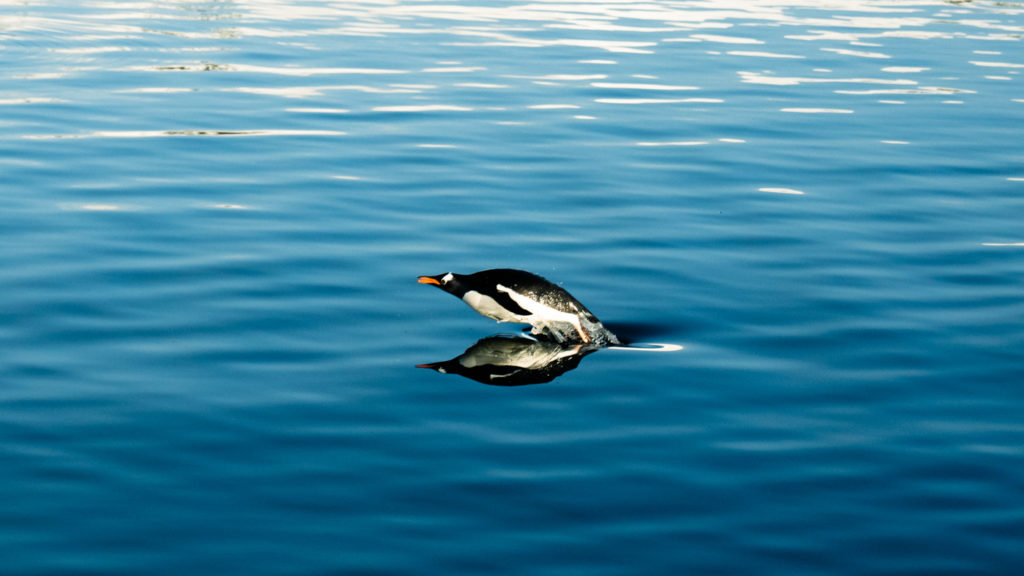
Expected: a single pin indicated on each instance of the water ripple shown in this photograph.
(165, 133)
(213, 212)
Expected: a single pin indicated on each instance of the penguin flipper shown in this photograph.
(509, 304)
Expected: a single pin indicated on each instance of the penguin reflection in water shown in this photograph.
(513, 360)
(508, 295)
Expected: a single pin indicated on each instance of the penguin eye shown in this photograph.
(447, 278)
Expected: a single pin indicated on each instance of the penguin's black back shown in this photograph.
(528, 284)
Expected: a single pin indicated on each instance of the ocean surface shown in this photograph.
(213, 215)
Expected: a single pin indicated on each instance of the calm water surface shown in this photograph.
(213, 215)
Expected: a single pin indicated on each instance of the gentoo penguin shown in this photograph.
(508, 295)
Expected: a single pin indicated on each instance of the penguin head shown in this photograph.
(448, 282)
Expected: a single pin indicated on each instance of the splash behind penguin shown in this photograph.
(508, 295)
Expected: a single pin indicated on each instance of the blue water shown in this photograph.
(213, 215)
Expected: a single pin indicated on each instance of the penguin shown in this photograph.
(508, 295)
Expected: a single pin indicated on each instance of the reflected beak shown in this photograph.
(429, 280)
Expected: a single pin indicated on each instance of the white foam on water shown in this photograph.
(649, 347)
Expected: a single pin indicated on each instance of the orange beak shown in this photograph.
(429, 280)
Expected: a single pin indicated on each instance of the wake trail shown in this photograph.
(648, 347)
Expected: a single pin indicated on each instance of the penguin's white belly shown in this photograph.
(486, 306)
